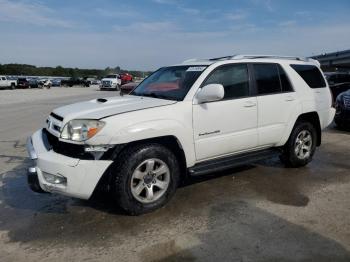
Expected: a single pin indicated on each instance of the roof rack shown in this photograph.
(220, 58)
(299, 58)
(235, 57)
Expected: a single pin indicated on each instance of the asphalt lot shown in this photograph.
(260, 212)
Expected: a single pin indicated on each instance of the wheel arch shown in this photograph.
(313, 118)
(170, 142)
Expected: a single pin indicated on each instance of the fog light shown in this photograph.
(54, 179)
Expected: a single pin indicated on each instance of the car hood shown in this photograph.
(105, 107)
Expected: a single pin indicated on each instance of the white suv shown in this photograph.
(189, 119)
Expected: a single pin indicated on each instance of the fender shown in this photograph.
(291, 122)
(158, 128)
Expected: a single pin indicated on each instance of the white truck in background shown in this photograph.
(112, 81)
(5, 82)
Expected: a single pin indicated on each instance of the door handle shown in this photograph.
(290, 98)
(249, 104)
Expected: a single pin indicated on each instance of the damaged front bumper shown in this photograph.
(57, 173)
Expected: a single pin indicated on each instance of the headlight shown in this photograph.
(81, 129)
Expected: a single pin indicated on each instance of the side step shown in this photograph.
(227, 162)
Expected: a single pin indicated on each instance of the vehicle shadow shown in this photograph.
(238, 231)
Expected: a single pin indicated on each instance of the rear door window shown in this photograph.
(311, 75)
(267, 79)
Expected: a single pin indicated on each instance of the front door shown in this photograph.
(229, 125)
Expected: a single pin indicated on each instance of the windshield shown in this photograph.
(170, 83)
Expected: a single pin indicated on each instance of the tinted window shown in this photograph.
(234, 78)
(267, 78)
(3, 78)
(311, 75)
(285, 83)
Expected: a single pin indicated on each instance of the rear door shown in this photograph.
(276, 102)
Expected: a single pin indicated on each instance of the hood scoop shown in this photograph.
(101, 100)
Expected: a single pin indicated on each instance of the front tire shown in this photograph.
(301, 145)
(145, 178)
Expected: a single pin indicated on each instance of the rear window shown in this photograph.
(311, 75)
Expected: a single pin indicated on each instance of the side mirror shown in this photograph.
(210, 93)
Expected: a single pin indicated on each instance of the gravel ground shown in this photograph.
(260, 212)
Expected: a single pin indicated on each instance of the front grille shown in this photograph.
(66, 149)
(346, 101)
(107, 83)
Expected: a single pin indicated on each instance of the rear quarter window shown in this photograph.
(311, 75)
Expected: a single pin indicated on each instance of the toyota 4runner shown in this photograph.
(184, 120)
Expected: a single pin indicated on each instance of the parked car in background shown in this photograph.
(73, 81)
(56, 82)
(5, 82)
(127, 88)
(125, 78)
(91, 81)
(339, 82)
(45, 83)
(337, 77)
(342, 106)
(22, 82)
(33, 82)
(96, 82)
(112, 81)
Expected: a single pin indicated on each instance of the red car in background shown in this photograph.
(125, 78)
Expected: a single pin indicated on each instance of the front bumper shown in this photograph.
(81, 176)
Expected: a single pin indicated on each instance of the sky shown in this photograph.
(147, 34)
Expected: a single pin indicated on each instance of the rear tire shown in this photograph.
(301, 145)
(13, 86)
(135, 179)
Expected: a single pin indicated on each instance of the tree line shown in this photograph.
(31, 70)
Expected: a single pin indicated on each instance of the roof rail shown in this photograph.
(236, 57)
(299, 58)
(221, 58)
